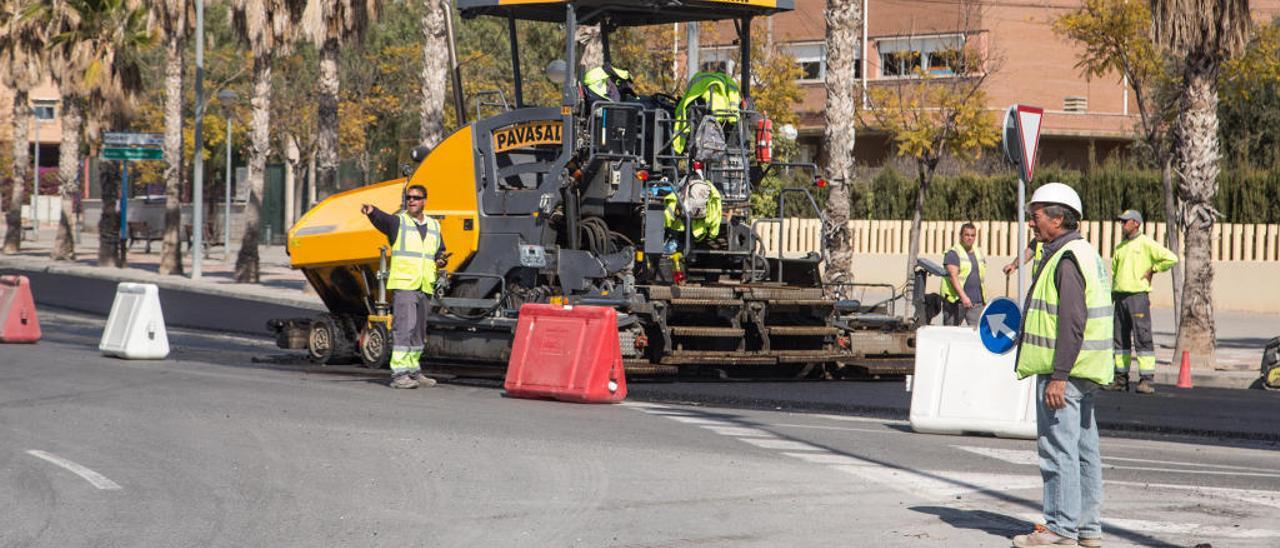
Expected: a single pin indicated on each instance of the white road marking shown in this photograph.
(1023, 457)
(846, 418)
(741, 432)
(700, 421)
(831, 458)
(1200, 464)
(840, 428)
(785, 445)
(1174, 528)
(1014, 456)
(98, 480)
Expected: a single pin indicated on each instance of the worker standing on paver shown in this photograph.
(417, 250)
(963, 293)
(1066, 344)
(1134, 261)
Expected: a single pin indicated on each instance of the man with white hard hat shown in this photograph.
(1066, 342)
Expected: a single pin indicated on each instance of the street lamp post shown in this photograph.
(197, 206)
(228, 100)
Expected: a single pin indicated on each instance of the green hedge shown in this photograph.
(1244, 195)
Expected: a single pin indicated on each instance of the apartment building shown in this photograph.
(45, 129)
(1025, 62)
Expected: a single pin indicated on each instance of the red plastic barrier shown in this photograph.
(18, 311)
(568, 353)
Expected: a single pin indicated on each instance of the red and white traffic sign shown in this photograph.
(1022, 137)
(1029, 136)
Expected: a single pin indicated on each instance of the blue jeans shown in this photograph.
(1070, 461)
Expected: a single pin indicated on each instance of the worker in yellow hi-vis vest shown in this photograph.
(1134, 261)
(962, 290)
(417, 250)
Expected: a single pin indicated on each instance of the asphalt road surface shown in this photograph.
(212, 448)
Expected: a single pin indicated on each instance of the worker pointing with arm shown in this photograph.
(1133, 263)
(1066, 344)
(417, 250)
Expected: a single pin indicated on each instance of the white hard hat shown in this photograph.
(1058, 193)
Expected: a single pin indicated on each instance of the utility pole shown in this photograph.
(691, 57)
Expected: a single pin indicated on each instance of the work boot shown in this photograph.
(1121, 384)
(1042, 537)
(1145, 387)
(403, 381)
(423, 380)
(1091, 542)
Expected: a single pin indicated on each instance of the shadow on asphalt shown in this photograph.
(997, 526)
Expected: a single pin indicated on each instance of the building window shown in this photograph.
(812, 59)
(940, 55)
(44, 109)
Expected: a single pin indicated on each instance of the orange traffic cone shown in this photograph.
(1184, 374)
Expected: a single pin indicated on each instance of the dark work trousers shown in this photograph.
(956, 314)
(408, 327)
(1133, 334)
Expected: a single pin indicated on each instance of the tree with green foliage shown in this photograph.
(1250, 109)
(1117, 41)
(92, 55)
(21, 58)
(1202, 34)
(929, 118)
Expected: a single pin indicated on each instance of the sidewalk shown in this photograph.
(279, 284)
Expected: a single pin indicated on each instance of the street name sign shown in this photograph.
(132, 154)
(116, 139)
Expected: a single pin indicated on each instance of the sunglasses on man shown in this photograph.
(414, 198)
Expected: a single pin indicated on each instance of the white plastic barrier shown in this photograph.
(135, 328)
(960, 387)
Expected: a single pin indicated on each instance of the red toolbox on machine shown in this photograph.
(568, 353)
(18, 321)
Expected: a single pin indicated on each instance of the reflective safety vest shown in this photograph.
(952, 294)
(413, 257)
(1133, 258)
(718, 92)
(1040, 324)
(597, 81)
(707, 227)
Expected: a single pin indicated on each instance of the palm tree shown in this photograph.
(92, 62)
(843, 18)
(268, 26)
(435, 73)
(327, 24)
(1203, 34)
(173, 16)
(20, 43)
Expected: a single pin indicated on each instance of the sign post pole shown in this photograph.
(1021, 139)
(124, 211)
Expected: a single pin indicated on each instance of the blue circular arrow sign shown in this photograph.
(999, 325)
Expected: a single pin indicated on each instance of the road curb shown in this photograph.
(172, 283)
(198, 307)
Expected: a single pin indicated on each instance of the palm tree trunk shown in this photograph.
(259, 147)
(1197, 156)
(109, 222)
(64, 242)
(843, 18)
(434, 75)
(171, 250)
(327, 117)
(1173, 226)
(21, 142)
